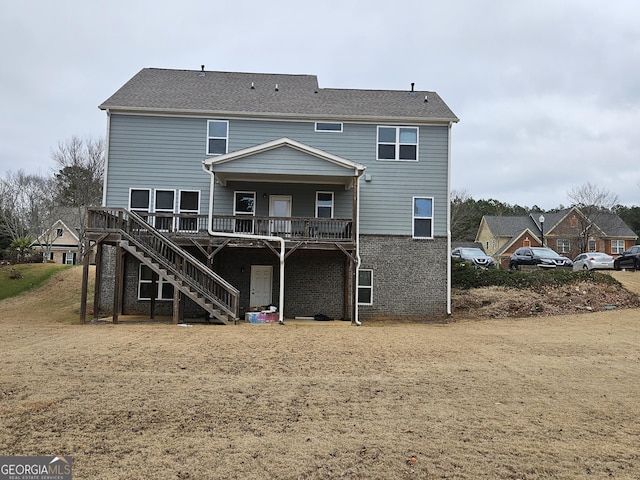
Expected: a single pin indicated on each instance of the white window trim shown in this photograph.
(564, 245)
(370, 287)
(160, 284)
(333, 203)
(398, 143)
(226, 149)
(140, 209)
(619, 246)
(413, 217)
(329, 131)
(239, 214)
(164, 210)
(186, 210)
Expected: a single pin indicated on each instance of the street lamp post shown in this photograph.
(542, 227)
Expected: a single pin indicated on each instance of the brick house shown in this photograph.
(569, 232)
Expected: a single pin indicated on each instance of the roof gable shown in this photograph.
(284, 160)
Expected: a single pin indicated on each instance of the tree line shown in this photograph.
(31, 203)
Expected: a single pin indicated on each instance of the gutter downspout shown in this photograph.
(356, 320)
(106, 160)
(449, 221)
(252, 237)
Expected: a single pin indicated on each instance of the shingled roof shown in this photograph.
(269, 95)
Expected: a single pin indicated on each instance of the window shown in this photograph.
(328, 127)
(189, 205)
(563, 245)
(617, 246)
(591, 245)
(58, 232)
(398, 143)
(217, 134)
(365, 287)
(324, 204)
(139, 202)
(145, 285)
(164, 202)
(69, 258)
(244, 204)
(422, 217)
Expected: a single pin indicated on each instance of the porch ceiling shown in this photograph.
(224, 177)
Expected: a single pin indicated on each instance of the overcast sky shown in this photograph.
(547, 91)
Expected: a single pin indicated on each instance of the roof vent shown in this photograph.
(252, 87)
(201, 74)
(277, 87)
(426, 99)
(412, 85)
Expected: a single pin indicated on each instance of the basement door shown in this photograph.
(261, 280)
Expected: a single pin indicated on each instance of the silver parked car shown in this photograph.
(476, 257)
(593, 261)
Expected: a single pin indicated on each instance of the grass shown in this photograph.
(16, 279)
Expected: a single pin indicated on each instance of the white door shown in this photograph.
(261, 279)
(280, 206)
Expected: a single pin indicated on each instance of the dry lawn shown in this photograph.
(531, 398)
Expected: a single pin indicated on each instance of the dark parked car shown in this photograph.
(628, 259)
(475, 256)
(541, 256)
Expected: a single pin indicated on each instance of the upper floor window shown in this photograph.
(59, 232)
(139, 201)
(422, 217)
(563, 245)
(189, 208)
(324, 204)
(217, 135)
(617, 246)
(592, 245)
(164, 208)
(328, 127)
(398, 143)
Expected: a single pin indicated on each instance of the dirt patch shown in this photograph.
(518, 398)
(585, 297)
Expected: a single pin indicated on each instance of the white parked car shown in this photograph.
(593, 261)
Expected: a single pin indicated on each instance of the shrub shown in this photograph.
(464, 276)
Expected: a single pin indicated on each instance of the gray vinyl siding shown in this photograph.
(156, 153)
(303, 198)
(167, 152)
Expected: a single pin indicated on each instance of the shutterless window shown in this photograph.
(244, 205)
(139, 202)
(617, 246)
(563, 245)
(164, 208)
(422, 217)
(164, 290)
(328, 127)
(189, 208)
(365, 287)
(217, 136)
(398, 143)
(324, 204)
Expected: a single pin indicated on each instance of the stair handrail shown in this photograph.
(191, 270)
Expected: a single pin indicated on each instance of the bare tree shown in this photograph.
(80, 178)
(594, 203)
(26, 204)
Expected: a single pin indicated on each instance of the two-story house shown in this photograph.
(569, 232)
(230, 192)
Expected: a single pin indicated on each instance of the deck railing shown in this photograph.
(175, 260)
(290, 228)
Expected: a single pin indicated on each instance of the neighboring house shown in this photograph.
(59, 244)
(229, 192)
(568, 232)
